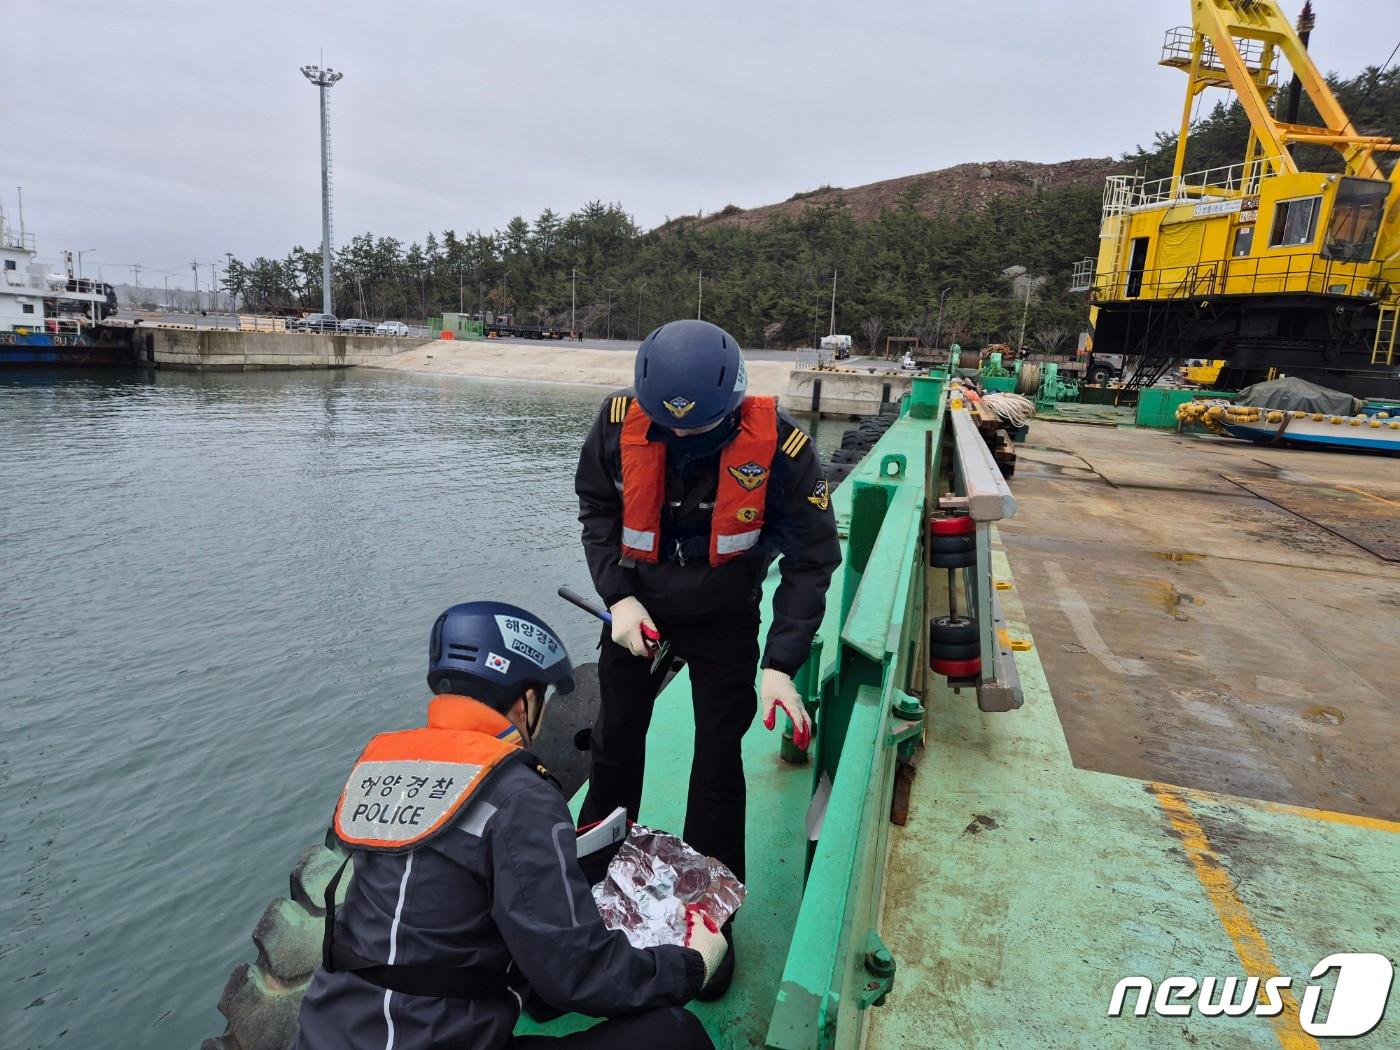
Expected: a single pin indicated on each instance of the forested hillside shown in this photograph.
(767, 273)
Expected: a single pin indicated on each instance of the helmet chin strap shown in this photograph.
(534, 714)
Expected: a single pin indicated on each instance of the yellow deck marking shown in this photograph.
(1249, 942)
(1369, 495)
(1332, 816)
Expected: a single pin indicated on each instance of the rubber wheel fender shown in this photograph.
(952, 544)
(952, 525)
(952, 630)
(952, 561)
(969, 651)
(956, 668)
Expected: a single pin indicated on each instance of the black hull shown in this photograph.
(1325, 339)
(41, 350)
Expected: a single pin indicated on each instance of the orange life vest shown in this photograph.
(408, 786)
(744, 467)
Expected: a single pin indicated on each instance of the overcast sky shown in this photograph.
(162, 132)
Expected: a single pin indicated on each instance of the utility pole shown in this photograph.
(573, 299)
(938, 331)
(213, 286)
(194, 267)
(1025, 312)
(324, 79)
(461, 290)
(136, 269)
(833, 303)
(700, 298)
(165, 303)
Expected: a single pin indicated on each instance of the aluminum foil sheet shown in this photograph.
(652, 879)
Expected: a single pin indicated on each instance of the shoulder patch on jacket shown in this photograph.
(795, 442)
(617, 408)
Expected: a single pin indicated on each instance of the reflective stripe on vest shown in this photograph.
(408, 786)
(736, 521)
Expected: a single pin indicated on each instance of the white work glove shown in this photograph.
(628, 615)
(775, 690)
(703, 935)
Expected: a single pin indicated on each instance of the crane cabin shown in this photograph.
(1274, 269)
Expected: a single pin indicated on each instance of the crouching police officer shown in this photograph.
(467, 895)
(688, 489)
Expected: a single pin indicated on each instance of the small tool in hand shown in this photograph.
(661, 648)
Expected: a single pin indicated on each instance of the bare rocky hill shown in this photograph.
(950, 190)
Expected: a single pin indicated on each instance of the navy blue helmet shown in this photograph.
(493, 652)
(690, 375)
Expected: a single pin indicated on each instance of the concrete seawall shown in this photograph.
(215, 350)
(840, 392)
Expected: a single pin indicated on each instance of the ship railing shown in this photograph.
(34, 281)
(12, 238)
(52, 284)
(1242, 275)
(870, 682)
(55, 326)
(1124, 193)
(1081, 278)
(1179, 40)
(84, 284)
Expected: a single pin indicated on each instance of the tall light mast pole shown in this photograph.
(833, 303)
(324, 79)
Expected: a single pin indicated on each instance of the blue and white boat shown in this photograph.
(49, 318)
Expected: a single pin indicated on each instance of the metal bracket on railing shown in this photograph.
(986, 498)
(908, 721)
(879, 972)
(1003, 692)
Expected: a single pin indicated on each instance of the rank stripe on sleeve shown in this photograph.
(617, 410)
(794, 443)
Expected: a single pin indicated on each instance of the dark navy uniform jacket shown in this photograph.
(500, 888)
(798, 527)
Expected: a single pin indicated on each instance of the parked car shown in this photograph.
(391, 328)
(315, 323)
(357, 326)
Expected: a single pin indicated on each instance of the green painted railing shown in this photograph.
(837, 966)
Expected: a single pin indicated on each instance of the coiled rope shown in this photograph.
(1012, 409)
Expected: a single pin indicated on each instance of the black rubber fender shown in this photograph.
(952, 544)
(952, 630)
(966, 651)
(952, 561)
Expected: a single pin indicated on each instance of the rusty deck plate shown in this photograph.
(1368, 517)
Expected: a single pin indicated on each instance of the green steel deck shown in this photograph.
(1022, 888)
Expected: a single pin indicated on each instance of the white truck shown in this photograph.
(839, 344)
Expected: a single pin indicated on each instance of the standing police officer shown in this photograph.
(467, 893)
(687, 491)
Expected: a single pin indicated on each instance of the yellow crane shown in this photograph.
(1271, 268)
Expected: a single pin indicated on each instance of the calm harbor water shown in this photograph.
(213, 590)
